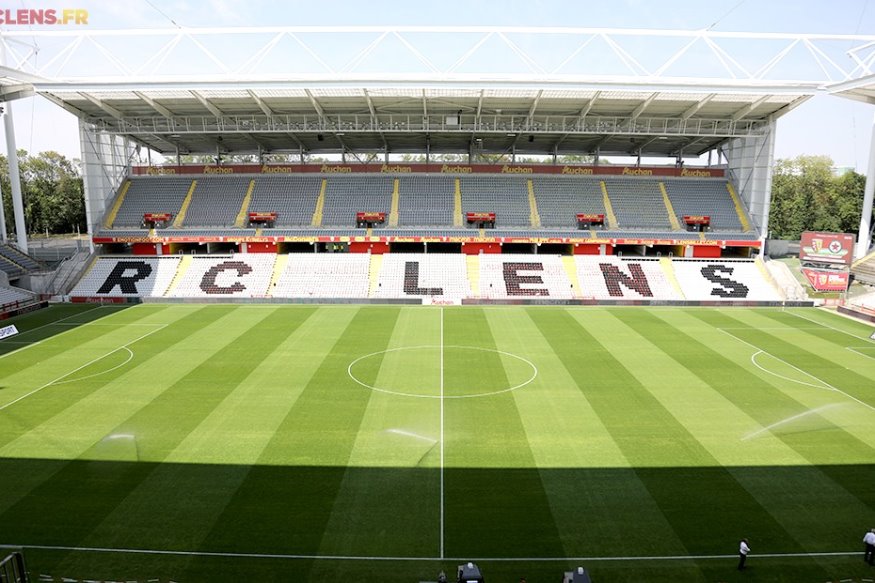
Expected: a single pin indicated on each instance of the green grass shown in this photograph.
(237, 438)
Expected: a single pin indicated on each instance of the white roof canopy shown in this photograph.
(438, 89)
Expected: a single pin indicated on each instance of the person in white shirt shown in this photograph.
(869, 539)
(743, 550)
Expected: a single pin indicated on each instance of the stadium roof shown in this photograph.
(645, 91)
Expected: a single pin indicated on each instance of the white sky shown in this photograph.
(829, 126)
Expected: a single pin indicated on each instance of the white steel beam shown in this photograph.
(206, 103)
(747, 109)
(114, 112)
(697, 106)
(260, 103)
(534, 106)
(370, 102)
(66, 106)
(315, 103)
(154, 105)
(586, 108)
(644, 105)
(18, 91)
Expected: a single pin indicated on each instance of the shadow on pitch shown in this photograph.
(119, 503)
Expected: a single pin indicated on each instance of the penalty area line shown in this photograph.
(291, 556)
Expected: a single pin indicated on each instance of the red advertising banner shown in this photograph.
(262, 217)
(835, 248)
(827, 280)
(156, 217)
(518, 169)
(590, 218)
(697, 219)
(371, 217)
(480, 217)
(315, 237)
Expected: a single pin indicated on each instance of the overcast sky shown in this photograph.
(830, 126)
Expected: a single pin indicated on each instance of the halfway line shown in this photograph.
(442, 431)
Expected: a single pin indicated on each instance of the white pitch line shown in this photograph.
(116, 367)
(17, 350)
(826, 384)
(89, 363)
(753, 359)
(430, 559)
(442, 431)
(854, 350)
(863, 338)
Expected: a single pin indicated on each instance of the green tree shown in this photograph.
(52, 191)
(807, 196)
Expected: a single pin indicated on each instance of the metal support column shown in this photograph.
(864, 237)
(15, 179)
(3, 236)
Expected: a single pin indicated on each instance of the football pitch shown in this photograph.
(368, 443)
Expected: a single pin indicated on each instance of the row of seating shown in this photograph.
(429, 201)
(9, 295)
(441, 276)
(15, 263)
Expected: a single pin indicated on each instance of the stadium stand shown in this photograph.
(560, 198)
(723, 280)
(426, 201)
(405, 275)
(506, 196)
(863, 269)
(523, 276)
(24, 260)
(9, 295)
(437, 275)
(151, 194)
(347, 195)
(128, 276)
(239, 275)
(293, 198)
(865, 301)
(327, 275)
(216, 201)
(11, 268)
(704, 197)
(610, 278)
(638, 204)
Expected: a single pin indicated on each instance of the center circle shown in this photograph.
(449, 372)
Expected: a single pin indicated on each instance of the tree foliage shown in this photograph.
(807, 196)
(51, 186)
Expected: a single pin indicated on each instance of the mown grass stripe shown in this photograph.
(31, 413)
(703, 502)
(820, 446)
(722, 427)
(37, 326)
(33, 363)
(499, 506)
(748, 390)
(285, 501)
(195, 493)
(99, 487)
(399, 434)
(583, 470)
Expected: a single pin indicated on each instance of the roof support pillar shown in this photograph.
(15, 179)
(3, 236)
(864, 238)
